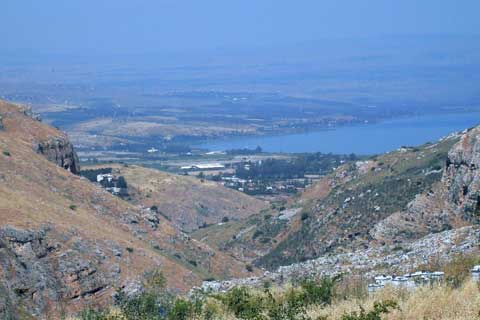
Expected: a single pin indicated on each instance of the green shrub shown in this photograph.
(92, 314)
(146, 306)
(305, 216)
(73, 207)
(379, 308)
(291, 306)
(320, 293)
(6, 153)
(257, 234)
(241, 302)
(154, 304)
(182, 310)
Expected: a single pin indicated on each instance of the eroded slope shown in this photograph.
(65, 242)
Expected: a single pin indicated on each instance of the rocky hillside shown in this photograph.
(391, 214)
(66, 243)
(387, 201)
(435, 250)
(186, 201)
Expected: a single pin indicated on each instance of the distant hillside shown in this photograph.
(66, 243)
(186, 201)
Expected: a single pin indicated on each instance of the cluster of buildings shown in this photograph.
(413, 280)
(409, 280)
(259, 186)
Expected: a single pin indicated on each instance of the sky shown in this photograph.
(151, 26)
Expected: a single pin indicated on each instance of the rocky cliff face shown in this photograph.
(60, 151)
(462, 176)
(451, 203)
(38, 272)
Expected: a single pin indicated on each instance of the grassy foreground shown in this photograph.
(437, 302)
(309, 300)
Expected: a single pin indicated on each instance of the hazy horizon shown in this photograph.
(181, 27)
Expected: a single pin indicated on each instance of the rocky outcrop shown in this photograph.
(39, 274)
(451, 203)
(462, 176)
(60, 151)
(28, 111)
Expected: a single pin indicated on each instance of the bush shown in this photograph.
(146, 306)
(379, 308)
(290, 307)
(182, 310)
(241, 302)
(304, 216)
(319, 293)
(257, 234)
(91, 314)
(73, 207)
(6, 153)
(154, 304)
(193, 263)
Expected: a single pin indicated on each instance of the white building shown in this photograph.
(204, 166)
(101, 177)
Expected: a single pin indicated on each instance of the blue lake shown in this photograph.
(360, 139)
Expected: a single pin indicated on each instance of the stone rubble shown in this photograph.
(367, 262)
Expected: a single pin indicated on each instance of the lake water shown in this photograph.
(360, 139)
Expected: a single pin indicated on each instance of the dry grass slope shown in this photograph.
(35, 192)
(188, 202)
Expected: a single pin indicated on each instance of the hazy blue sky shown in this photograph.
(138, 26)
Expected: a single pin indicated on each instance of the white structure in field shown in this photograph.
(102, 177)
(114, 190)
(476, 273)
(204, 166)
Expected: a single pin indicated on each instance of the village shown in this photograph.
(264, 175)
(233, 176)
